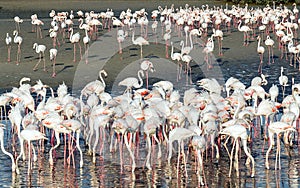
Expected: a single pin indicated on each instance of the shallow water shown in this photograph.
(107, 172)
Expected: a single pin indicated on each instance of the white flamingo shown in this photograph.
(75, 38)
(139, 41)
(18, 40)
(260, 51)
(53, 54)
(8, 44)
(40, 49)
(283, 80)
(132, 82)
(86, 40)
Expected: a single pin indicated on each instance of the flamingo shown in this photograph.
(187, 59)
(39, 49)
(139, 41)
(177, 57)
(283, 80)
(13, 164)
(86, 40)
(75, 38)
(245, 29)
(276, 128)
(132, 82)
(8, 44)
(219, 34)
(29, 135)
(167, 37)
(208, 49)
(179, 134)
(53, 54)
(238, 131)
(270, 43)
(18, 20)
(146, 66)
(120, 38)
(260, 51)
(53, 35)
(38, 24)
(18, 40)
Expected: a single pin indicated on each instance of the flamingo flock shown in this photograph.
(196, 120)
(204, 119)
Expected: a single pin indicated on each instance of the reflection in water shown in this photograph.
(106, 172)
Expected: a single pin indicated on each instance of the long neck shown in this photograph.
(133, 38)
(191, 41)
(140, 78)
(71, 35)
(258, 44)
(101, 78)
(81, 22)
(86, 32)
(16, 35)
(172, 51)
(239, 26)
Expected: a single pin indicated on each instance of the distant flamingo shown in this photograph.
(219, 34)
(245, 29)
(176, 57)
(270, 43)
(40, 49)
(260, 51)
(139, 41)
(132, 82)
(53, 54)
(283, 80)
(167, 37)
(120, 38)
(18, 20)
(53, 35)
(8, 44)
(208, 49)
(86, 40)
(146, 66)
(18, 40)
(75, 38)
(38, 24)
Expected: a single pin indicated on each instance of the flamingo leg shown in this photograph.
(53, 67)
(8, 53)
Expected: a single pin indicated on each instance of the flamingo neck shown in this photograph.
(140, 73)
(101, 78)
